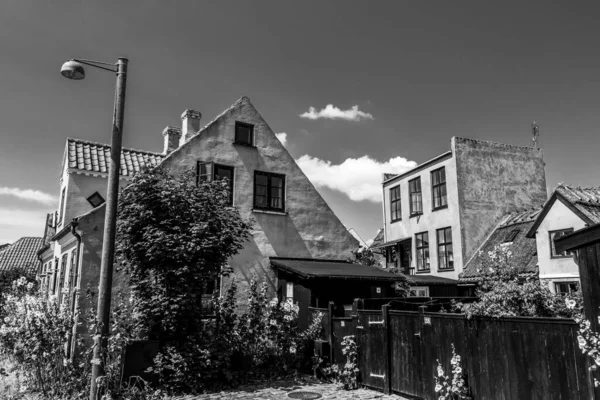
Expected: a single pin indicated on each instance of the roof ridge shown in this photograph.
(108, 145)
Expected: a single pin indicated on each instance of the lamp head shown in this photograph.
(72, 70)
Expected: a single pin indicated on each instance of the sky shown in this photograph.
(353, 88)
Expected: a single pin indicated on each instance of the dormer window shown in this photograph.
(244, 134)
(95, 200)
(511, 236)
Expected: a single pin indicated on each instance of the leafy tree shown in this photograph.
(174, 236)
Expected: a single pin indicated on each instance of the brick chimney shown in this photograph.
(190, 125)
(172, 136)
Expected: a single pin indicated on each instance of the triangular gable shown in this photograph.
(548, 206)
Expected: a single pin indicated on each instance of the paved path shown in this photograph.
(279, 391)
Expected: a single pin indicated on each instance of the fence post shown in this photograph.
(387, 382)
(330, 307)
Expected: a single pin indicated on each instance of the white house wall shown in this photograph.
(556, 269)
(430, 220)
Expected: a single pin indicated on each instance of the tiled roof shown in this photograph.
(586, 200)
(523, 249)
(21, 254)
(94, 157)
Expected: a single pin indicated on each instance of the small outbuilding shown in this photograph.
(315, 283)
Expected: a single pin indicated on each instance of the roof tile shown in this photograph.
(21, 254)
(94, 157)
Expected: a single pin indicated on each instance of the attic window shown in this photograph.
(511, 236)
(244, 133)
(95, 200)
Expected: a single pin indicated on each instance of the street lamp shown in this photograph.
(73, 69)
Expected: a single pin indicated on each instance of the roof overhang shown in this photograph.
(390, 243)
(316, 269)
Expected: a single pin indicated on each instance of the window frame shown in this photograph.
(568, 285)
(211, 173)
(61, 213)
(439, 185)
(511, 236)
(445, 245)
(96, 195)
(552, 248)
(269, 187)
(229, 168)
(422, 248)
(235, 133)
(414, 213)
(396, 204)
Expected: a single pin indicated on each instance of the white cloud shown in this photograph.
(29, 194)
(333, 112)
(15, 223)
(359, 178)
(282, 138)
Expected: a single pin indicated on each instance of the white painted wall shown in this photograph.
(430, 220)
(556, 269)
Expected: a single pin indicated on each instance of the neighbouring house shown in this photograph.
(510, 235)
(315, 283)
(567, 210)
(290, 218)
(437, 214)
(21, 255)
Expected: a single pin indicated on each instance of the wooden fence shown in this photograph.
(506, 358)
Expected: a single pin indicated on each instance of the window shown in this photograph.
(422, 246)
(244, 133)
(555, 235)
(63, 270)
(565, 288)
(395, 205)
(62, 206)
(73, 270)
(511, 236)
(391, 257)
(438, 188)
(269, 191)
(289, 290)
(55, 275)
(224, 172)
(445, 255)
(419, 291)
(416, 199)
(95, 200)
(208, 171)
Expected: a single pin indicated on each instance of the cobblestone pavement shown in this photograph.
(280, 390)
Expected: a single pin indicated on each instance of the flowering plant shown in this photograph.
(455, 388)
(587, 339)
(35, 334)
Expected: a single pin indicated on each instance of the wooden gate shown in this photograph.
(372, 354)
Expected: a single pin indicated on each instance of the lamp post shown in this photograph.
(73, 69)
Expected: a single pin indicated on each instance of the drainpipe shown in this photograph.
(71, 342)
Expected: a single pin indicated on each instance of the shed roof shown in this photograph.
(331, 269)
(512, 232)
(21, 254)
(429, 280)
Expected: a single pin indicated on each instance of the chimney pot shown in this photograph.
(172, 135)
(190, 125)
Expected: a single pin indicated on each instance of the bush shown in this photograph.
(34, 336)
(505, 292)
(265, 340)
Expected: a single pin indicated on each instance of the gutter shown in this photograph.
(73, 333)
